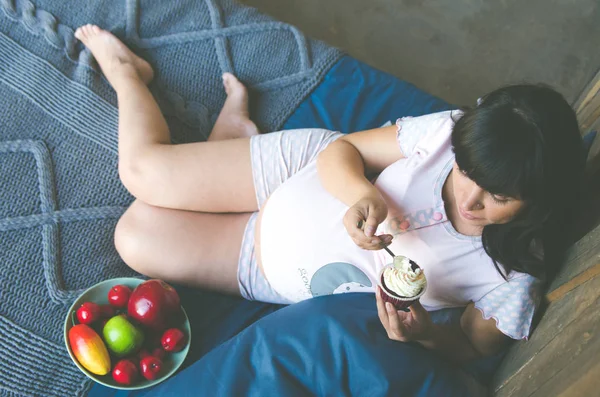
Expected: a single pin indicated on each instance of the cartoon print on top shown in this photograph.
(338, 277)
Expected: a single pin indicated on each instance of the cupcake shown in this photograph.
(402, 282)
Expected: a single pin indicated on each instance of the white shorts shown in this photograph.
(275, 158)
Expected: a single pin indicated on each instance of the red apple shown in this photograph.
(154, 303)
(118, 296)
(125, 372)
(150, 367)
(88, 312)
(173, 340)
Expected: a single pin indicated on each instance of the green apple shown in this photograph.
(122, 337)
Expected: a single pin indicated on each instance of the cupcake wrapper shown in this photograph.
(398, 301)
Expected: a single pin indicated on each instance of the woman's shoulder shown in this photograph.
(423, 134)
(513, 304)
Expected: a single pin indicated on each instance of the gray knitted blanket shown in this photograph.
(60, 196)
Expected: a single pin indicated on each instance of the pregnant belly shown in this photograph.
(301, 232)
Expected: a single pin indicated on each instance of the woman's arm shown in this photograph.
(346, 164)
(344, 168)
(475, 337)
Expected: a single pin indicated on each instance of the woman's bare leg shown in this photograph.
(178, 245)
(191, 248)
(212, 176)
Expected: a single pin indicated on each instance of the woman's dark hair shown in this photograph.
(523, 141)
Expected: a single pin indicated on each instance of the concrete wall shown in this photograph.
(458, 49)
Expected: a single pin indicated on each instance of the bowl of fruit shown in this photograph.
(128, 333)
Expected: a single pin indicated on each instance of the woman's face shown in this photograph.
(477, 207)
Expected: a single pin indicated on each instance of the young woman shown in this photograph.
(285, 216)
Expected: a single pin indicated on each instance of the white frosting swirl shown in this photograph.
(402, 280)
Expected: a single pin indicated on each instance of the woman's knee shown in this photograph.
(129, 237)
(138, 176)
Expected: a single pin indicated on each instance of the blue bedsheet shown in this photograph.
(334, 345)
(354, 96)
(328, 346)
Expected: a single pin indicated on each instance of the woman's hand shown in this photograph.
(361, 221)
(403, 326)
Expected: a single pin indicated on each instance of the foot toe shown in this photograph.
(227, 79)
(235, 80)
(226, 82)
(232, 84)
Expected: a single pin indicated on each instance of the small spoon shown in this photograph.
(389, 252)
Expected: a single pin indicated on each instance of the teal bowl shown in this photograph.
(99, 294)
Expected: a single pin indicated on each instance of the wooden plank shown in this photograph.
(583, 255)
(587, 106)
(579, 259)
(557, 319)
(575, 282)
(587, 385)
(571, 360)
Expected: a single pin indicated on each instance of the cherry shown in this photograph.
(88, 312)
(118, 296)
(150, 367)
(173, 340)
(125, 372)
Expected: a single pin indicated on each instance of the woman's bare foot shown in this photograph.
(234, 119)
(114, 58)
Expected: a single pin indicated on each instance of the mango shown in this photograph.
(89, 349)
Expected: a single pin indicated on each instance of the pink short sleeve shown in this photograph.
(512, 304)
(414, 133)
